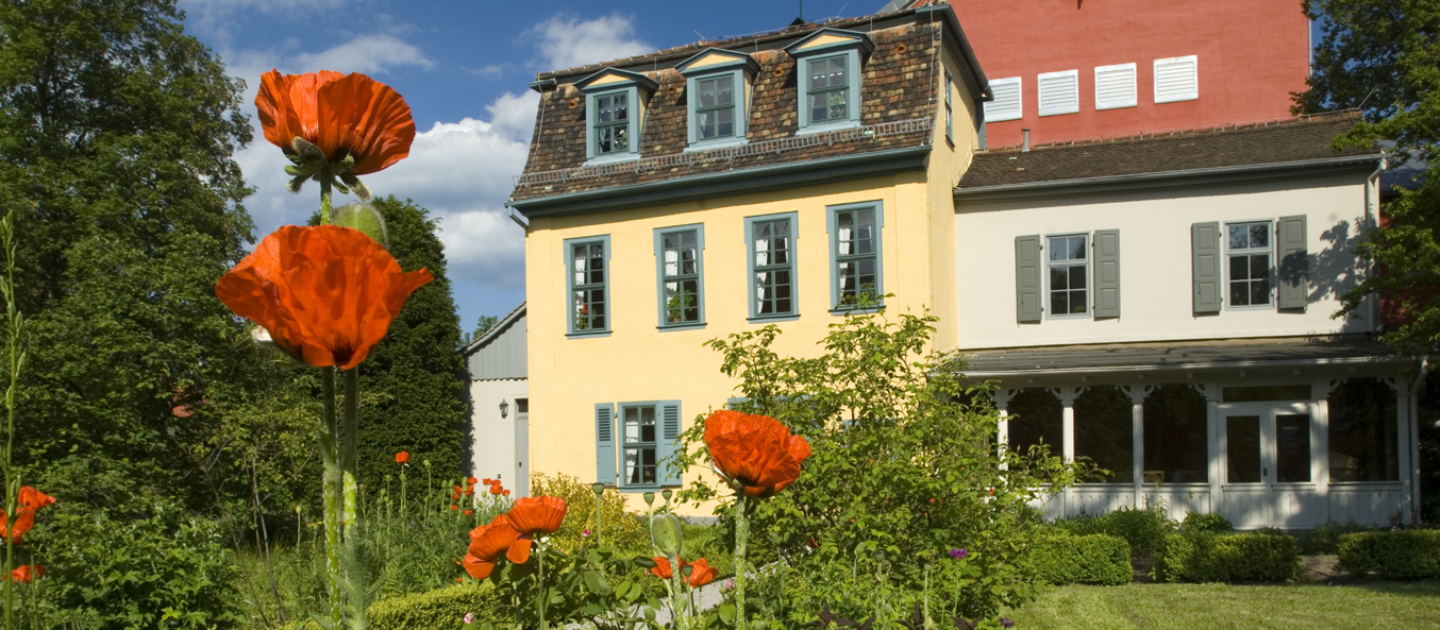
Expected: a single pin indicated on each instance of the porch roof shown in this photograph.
(1175, 356)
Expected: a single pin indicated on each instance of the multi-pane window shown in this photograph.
(1069, 268)
(638, 423)
(1249, 260)
(715, 111)
(856, 264)
(772, 266)
(612, 123)
(587, 287)
(829, 89)
(680, 276)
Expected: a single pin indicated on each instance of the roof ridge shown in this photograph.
(1289, 121)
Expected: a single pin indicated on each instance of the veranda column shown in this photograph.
(1002, 429)
(1320, 447)
(1137, 436)
(1067, 431)
(1408, 442)
(1213, 443)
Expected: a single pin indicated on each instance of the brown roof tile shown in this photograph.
(1291, 140)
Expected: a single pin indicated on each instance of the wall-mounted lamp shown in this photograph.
(504, 408)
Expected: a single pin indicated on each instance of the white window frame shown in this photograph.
(1194, 62)
(1047, 251)
(992, 111)
(1269, 251)
(1132, 100)
(1058, 81)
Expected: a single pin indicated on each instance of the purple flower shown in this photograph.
(958, 553)
(1005, 621)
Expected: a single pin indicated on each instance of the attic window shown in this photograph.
(614, 109)
(1177, 79)
(717, 83)
(829, 63)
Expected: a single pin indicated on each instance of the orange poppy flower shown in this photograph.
(470, 480)
(495, 488)
(26, 573)
(326, 294)
(505, 492)
(469, 512)
(342, 115)
(757, 453)
(487, 543)
(662, 568)
(488, 481)
(701, 573)
(402, 458)
(30, 501)
(530, 516)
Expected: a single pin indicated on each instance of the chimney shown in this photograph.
(1026, 148)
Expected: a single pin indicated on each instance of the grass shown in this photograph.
(1217, 606)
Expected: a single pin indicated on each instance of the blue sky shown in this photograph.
(463, 67)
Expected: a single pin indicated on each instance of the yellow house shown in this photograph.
(714, 188)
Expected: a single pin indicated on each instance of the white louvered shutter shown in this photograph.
(1115, 86)
(1177, 79)
(1006, 104)
(1059, 93)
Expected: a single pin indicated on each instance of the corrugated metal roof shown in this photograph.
(1182, 355)
(501, 353)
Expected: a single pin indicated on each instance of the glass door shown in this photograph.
(1267, 453)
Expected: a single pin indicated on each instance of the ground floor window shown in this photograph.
(639, 424)
(1036, 418)
(1175, 446)
(1364, 443)
(1104, 429)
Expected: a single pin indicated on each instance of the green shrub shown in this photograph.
(1264, 556)
(1093, 559)
(1405, 554)
(1143, 528)
(437, 609)
(1200, 522)
(1325, 539)
(620, 529)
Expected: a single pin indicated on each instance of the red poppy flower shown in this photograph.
(756, 452)
(469, 491)
(469, 512)
(454, 507)
(325, 293)
(30, 501)
(402, 458)
(342, 115)
(26, 573)
(487, 543)
(488, 481)
(701, 573)
(470, 480)
(505, 492)
(662, 568)
(530, 516)
(495, 488)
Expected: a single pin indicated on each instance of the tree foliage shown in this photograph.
(1380, 56)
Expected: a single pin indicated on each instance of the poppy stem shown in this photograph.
(352, 516)
(325, 185)
(742, 537)
(329, 444)
(14, 327)
(540, 586)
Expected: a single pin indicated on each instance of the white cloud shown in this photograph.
(514, 115)
(373, 54)
(567, 42)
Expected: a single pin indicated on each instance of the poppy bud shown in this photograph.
(307, 152)
(667, 535)
(361, 190)
(363, 217)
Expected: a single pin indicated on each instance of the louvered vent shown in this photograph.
(1177, 79)
(1059, 93)
(1006, 104)
(1115, 86)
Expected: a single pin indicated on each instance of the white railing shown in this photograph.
(691, 158)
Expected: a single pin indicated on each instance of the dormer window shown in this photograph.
(829, 63)
(717, 84)
(614, 114)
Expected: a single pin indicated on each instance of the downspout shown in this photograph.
(1414, 516)
(1372, 221)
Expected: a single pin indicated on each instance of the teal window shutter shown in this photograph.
(1107, 273)
(605, 443)
(1205, 266)
(1027, 278)
(1293, 265)
(669, 438)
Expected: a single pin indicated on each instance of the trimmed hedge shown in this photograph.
(1093, 559)
(1405, 554)
(1265, 556)
(440, 608)
(1143, 528)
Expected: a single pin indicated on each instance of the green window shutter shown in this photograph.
(669, 435)
(1293, 262)
(605, 443)
(1027, 278)
(1205, 266)
(1107, 273)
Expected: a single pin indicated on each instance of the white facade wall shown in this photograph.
(1155, 261)
(493, 450)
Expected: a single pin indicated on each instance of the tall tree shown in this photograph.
(1380, 56)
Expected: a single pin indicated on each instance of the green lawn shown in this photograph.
(1214, 606)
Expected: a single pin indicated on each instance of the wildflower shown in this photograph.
(469, 512)
(505, 492)
(701, 573)
(662, 568)
(402, 458)
(325, 293)
(585, 533)
(487, 543)
(350, 119)
(531, 516)
(30, 501)
(1006, 622)
(454, 507)
(959, 553)
(756, 454)
(26, 573)
(469, 617)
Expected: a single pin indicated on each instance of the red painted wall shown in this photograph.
(1252, 54)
